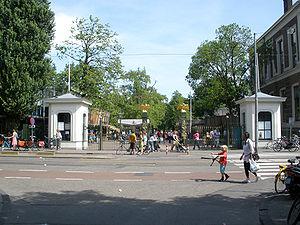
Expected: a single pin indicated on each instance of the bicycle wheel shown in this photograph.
(120, 150)
(294, 213)
(280, 182)
(293, 149)
(277, 147)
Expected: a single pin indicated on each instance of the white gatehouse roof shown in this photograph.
(68, 98)
(262, 97)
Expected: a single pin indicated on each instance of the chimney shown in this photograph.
(287, 5)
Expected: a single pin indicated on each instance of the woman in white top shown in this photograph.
(248, 150)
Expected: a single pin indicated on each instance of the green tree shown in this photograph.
(137, 90)
(26, 32)
(95, 50)
(173, 115)
(218, 72)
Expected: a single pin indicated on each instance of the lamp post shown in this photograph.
(100, 132)
(183, 108)
(256, 90)
(145, 108)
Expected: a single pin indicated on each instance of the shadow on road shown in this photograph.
(217, 180)
(90, 207)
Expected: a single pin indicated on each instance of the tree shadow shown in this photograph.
(90, 207)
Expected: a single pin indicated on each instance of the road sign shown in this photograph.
(31, 121)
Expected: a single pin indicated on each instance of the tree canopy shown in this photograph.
(218, 72)
(95, 51)
(137, 90)
(26, 32)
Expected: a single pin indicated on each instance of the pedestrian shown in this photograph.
(223, 162)
(14, 139)
(175, 142)
(196, 138)
(207, 139)
(58, 139)
(151, 143)
(141, 142)
(217, 135)
(132, 141)
(248, 150)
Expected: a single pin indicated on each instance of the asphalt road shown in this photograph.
(157, 189)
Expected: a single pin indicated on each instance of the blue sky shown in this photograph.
(162, 35)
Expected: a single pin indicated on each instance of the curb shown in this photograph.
(56, 155)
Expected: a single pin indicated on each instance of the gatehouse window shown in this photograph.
(64, 125)
(264, 126)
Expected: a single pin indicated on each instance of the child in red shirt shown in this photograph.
(223, 162)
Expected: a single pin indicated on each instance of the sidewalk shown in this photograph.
(109, 149)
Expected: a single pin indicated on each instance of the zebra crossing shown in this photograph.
(269, 167)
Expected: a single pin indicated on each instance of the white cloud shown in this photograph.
(63, 23)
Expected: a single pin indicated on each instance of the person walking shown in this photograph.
(58, 139)
(175, 141)
(141, 142)
(217, 135)
(14, 139)
(248, 150)
(196, 138)
(223, 162)
(132, 141)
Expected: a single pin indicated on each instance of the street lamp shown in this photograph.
(100, 132)
(183, 108)
(145, 108)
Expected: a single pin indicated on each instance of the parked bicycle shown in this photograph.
(50, 142)
(288, 177)
(291, 145)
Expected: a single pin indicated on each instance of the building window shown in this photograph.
(64, 125)
(297, 102)
(282, 93)
(292, 34)
(280, 56)
(264, 126)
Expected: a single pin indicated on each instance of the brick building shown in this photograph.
(279, 64)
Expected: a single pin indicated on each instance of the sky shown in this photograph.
(162, 35)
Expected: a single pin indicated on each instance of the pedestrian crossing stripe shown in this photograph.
(268, 167)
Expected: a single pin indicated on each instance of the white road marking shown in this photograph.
(69, 179)
(77, 171)
(128, 180)
(182, 180)
(18, 177)
(129, 172)
(169, 172)
(25, 170)
(268, 174)
(269, 167)
(266, 170)
(237, 171)
(264, 178)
